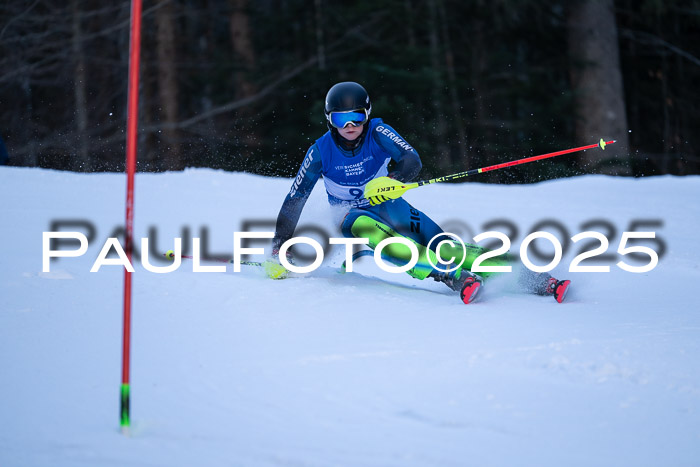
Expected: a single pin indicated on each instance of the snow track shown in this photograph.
(365, 368)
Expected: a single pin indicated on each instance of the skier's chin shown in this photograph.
(351, 134)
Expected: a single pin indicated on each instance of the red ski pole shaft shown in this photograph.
(544, 156)
(601, 144)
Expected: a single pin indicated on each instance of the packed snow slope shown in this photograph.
(360, 369)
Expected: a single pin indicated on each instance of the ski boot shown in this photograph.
(557, 288)
(465, 282)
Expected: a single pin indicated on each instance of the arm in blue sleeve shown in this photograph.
(408, 163)
(293, 204)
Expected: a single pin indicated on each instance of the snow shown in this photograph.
(366, 368)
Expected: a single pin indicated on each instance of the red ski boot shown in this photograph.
(558, 289)
(470, 290)
(463, 281)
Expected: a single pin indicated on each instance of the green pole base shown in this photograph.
(124, 408)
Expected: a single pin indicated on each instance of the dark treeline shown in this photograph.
(239, 84)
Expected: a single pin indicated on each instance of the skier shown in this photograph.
(356, 150)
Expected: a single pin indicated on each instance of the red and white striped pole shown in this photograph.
(131, 136)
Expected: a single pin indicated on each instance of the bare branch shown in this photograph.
(646, 38)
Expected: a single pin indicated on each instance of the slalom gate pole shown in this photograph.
(601, 144)
(131, 134)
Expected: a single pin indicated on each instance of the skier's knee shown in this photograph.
(375, 231)
(358, 224)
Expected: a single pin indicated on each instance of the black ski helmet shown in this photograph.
(347, 96)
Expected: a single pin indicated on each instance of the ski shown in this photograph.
(468, 294)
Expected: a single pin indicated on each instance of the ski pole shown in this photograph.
(170, 254)
(390, 190)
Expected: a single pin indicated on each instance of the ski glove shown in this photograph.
(383, 189)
